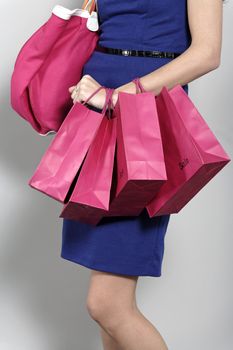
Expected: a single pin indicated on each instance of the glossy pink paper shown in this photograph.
(91, 193)
(193, 155)
(65, 154)
(140, 166)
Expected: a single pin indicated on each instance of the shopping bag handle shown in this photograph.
(109, 103)
(108, 99)
(139, 87)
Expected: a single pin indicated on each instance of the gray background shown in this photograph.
(42, 296)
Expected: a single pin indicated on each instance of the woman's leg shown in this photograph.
(111, 302)
(109, 343)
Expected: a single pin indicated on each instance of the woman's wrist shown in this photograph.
(129, 88)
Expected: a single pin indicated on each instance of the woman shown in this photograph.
(120, 249)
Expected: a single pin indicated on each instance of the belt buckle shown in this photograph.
(125, 52)
(156, 53)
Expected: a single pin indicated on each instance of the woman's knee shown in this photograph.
(96, 306)
(108, 313)
(107, 303)
(101, 307)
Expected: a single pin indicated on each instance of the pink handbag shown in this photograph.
(58, 169)
(193, 155)
(91, 193)
(140, 166)
(49, 63)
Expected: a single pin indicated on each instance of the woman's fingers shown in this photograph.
(75, 91)
(75, 98)
(71, 89)
(84, 88)
(73, 94)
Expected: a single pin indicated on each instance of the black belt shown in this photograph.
(141, 53)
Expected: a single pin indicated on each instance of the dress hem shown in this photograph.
(104, 269)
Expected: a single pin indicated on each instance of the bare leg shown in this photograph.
(111, 302)
(109, 342)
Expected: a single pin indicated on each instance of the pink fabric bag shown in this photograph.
(49, 63)
(140, 170)
(193, 155)
(58, 169)
(91, 193)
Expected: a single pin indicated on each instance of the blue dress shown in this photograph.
(128, 245)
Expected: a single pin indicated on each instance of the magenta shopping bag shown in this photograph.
(139, 157)
(193, 155)
(91, 194)
(59, 166)
(49, 63)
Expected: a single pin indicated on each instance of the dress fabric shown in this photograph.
(128, 245)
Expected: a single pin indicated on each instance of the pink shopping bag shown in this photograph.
(58, 169)
(49, 63)
(91, 194)
(193, 155)
(140, 166)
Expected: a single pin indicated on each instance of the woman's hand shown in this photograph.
(85, 87)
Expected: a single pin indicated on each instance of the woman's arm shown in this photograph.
(201, 57)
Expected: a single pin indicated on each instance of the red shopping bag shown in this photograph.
(140, 166)
(49, 63)
(193, 155)
(91, 194)
(58, 169)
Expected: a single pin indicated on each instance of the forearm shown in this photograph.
(191, 64)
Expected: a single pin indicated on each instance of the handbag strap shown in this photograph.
(89, 5)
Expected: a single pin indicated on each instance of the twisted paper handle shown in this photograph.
(110, 102)
(108, 99)
(139, 87)
(95, 92)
